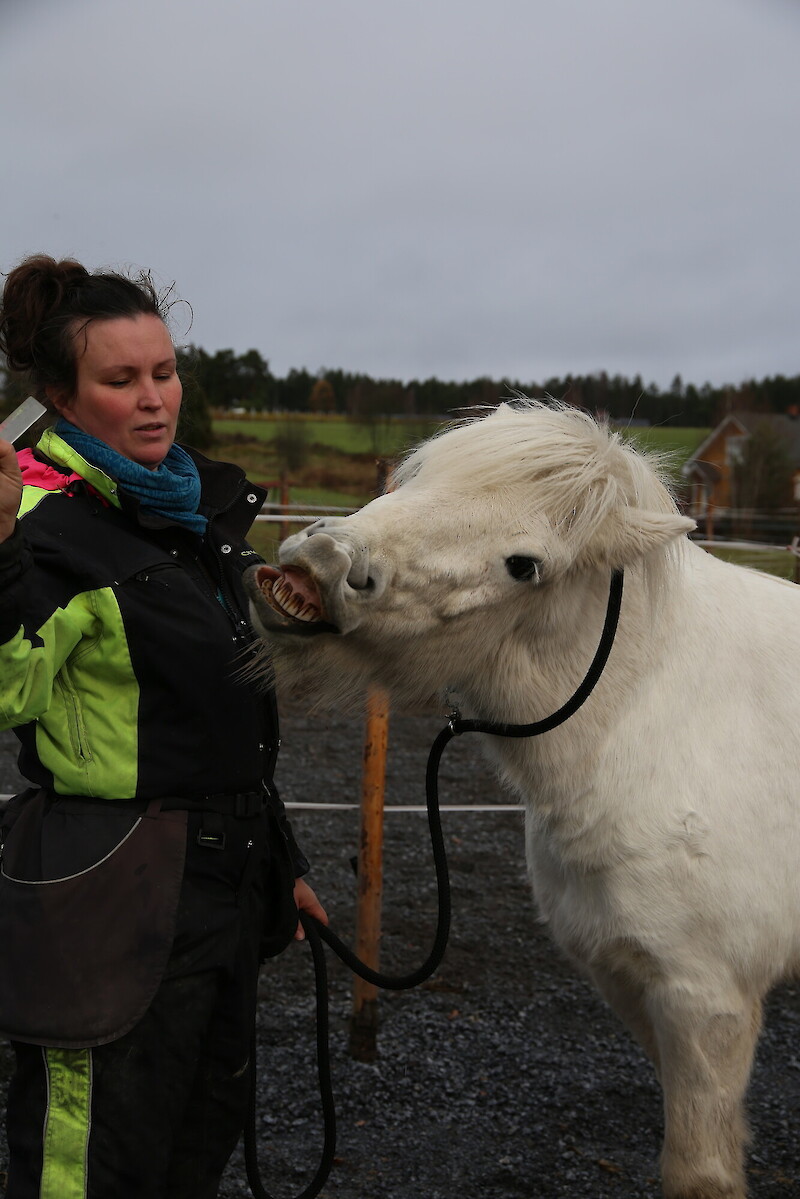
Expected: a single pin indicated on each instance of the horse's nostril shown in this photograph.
(360, 582)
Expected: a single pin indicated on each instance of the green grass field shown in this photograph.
(385, 437)
(673, 446)
(774, 562)
(390, 436)
(666, 439)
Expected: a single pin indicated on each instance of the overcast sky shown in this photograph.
(513, 188)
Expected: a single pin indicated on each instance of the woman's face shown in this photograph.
(127, 390)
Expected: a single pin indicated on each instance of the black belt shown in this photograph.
(242, 805)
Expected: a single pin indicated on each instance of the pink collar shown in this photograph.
(41, 474)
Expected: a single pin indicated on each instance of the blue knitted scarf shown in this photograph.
(172, 490)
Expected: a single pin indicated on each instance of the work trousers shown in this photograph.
(157, 1113)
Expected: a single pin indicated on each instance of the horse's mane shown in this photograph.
(581, 469)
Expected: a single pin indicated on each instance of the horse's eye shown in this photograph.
(523, 568)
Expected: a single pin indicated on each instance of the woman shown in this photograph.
(149, 868)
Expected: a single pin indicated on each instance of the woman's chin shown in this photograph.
(150, 455)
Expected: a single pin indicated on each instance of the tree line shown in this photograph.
(228, 381)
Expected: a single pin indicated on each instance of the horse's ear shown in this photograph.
(632, 533)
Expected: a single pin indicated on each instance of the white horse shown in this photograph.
(663, 819)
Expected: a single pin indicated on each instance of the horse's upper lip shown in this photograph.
(291, 593)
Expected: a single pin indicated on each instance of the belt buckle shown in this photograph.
(247, 804)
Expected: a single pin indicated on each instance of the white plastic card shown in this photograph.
(21, 419)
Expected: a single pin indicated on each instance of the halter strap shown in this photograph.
(457, 726)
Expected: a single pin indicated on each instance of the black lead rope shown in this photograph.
(311, 927)
(316, 932)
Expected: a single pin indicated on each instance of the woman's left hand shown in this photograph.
(307, 901)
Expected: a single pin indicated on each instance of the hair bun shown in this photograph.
(49, 278)
(33, 293)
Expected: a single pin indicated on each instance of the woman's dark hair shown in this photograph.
(46, 304)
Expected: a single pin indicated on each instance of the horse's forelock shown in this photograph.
(578, 470)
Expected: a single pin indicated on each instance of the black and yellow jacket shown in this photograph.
(124, 641)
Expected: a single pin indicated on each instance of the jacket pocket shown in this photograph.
(74, 714)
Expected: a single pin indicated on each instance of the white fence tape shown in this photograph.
(306, 514)
(290, 518)
(354, 807)
(308, 508)
(392, 807)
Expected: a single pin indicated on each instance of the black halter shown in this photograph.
(458, 726)
(317, 932)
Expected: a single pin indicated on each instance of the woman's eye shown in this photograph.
(522, 568)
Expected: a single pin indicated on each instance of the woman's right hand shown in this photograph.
(10, 489)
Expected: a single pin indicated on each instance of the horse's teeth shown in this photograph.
(292, 603)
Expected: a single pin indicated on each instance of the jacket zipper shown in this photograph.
(225, 597)
(74, 714)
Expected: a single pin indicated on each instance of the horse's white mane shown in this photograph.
(582, 470)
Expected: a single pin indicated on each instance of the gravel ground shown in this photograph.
(504, 1076)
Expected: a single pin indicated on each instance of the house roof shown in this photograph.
(743, 424)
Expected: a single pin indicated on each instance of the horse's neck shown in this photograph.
(530, 681)
(530, 673)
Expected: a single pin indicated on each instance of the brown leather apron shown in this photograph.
(81, 957)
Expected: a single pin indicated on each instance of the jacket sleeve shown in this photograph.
(32, 649)
(15, 562)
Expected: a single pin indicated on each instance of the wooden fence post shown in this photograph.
(710, 522)
(364, 1019)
